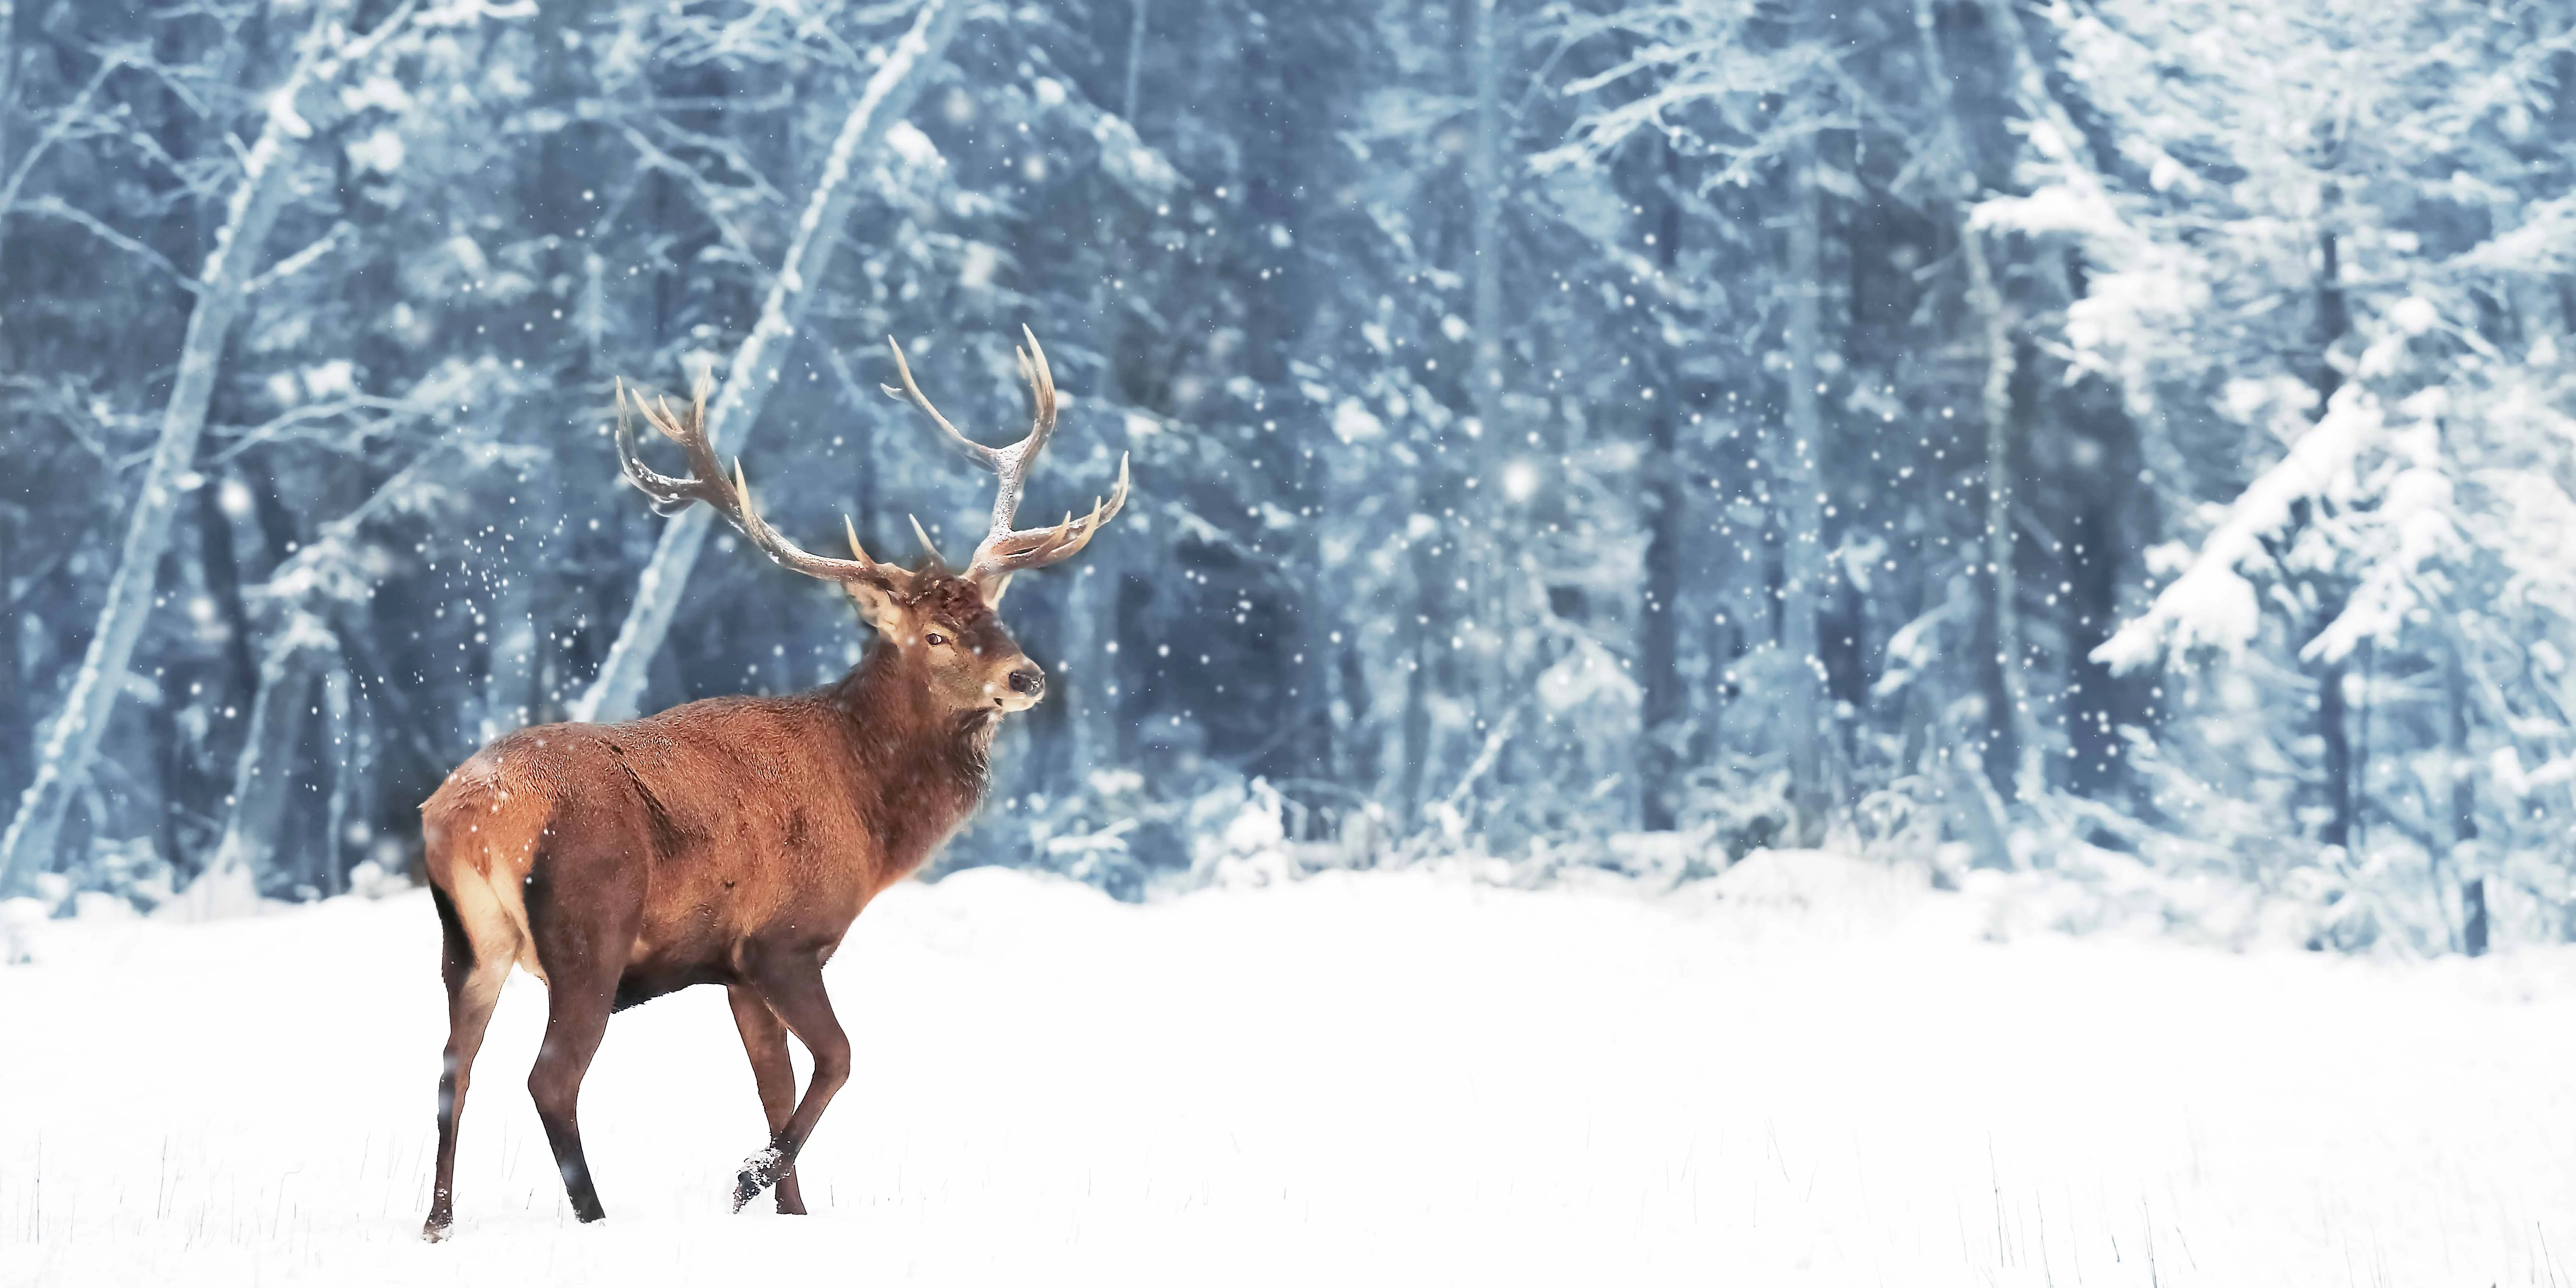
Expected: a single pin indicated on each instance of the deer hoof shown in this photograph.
(758, 1173)
(435, 1231)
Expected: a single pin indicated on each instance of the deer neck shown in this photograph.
(920, 768)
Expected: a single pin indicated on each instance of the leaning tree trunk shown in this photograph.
(753, 372)
(1810, 742)
(71, 742)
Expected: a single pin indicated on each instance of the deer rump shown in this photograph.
(621, 836)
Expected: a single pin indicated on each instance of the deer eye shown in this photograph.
(935, 637)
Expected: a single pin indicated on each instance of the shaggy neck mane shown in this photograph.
(925, 766)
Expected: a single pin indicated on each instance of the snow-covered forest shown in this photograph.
(2116, 450)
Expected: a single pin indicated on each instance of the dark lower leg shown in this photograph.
(466, 1023)
(794, 992)
(576, 1020)
(471, 994)
(764, 1038)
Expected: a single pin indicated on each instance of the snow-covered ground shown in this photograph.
(1815, 1077)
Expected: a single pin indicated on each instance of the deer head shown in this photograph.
(940, 624)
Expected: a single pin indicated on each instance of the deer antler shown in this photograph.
(731, 497)
(1004, 550)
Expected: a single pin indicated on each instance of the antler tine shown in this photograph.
(730, 497)
(1003, 549)
(669, 495)
(988, 457)
(1005, 552)
(794, 558)
(1015, 462)
(1041, 378)
(928, 547)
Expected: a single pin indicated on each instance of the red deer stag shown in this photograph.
(732, 841)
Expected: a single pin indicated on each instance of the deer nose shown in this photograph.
(1028, 680)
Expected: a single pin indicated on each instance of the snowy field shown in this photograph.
(1808, 1075)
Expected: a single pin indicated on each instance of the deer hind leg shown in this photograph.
(473, 986)
(576, 1018)
(764, 1038)
(793, 988)
(583, 949)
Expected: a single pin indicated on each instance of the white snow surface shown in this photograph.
(1805, 1072)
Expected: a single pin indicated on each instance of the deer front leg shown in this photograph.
(793, 989)
(764, 1039)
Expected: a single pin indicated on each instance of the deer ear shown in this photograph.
(875, 605)
(998, 586)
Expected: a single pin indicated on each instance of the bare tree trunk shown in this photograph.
(1087, 672)
(1414, 726)
(2473, 907)
(339, 755)
(1485, 195)
(2333, 321)
(244, 857)
(2017, 722)
(1485, 669)
(1664, 700)
(1810, 742)
(71, 742)
(220, 565)
(1135, 59)
(2360, 842)
(753, 372)
(2334, 726)
(8, 73)
(2463, 809)
(13, 680)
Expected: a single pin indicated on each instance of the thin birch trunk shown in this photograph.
(71, 742)
(1088, 667)
(8, 73)
(753, 372)
(1496, 598)
(1810, 742)
(340, 753)
(1135, 59)
(1485, 195)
